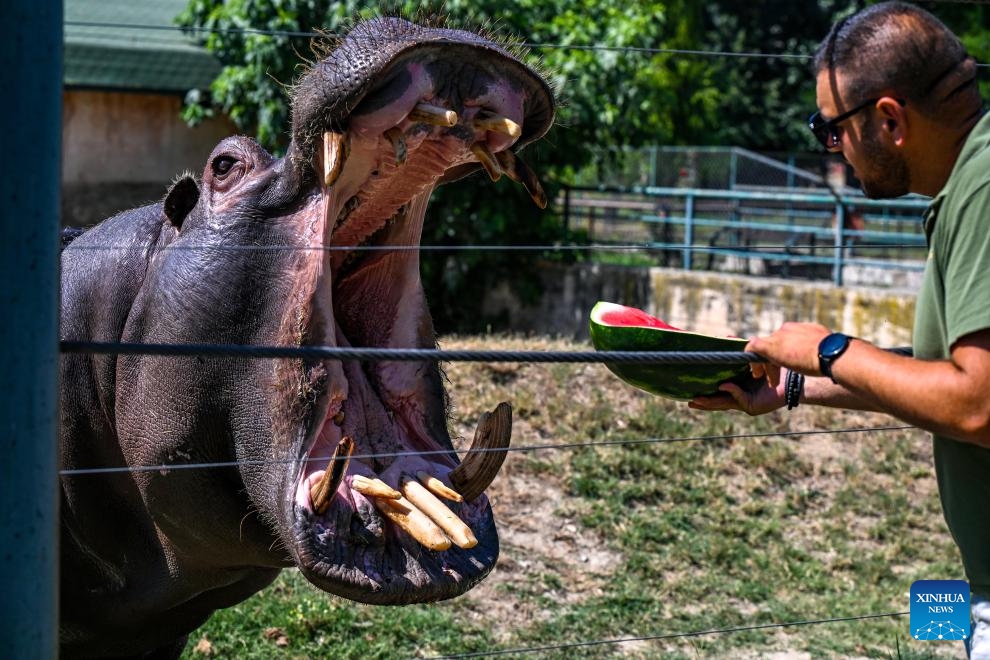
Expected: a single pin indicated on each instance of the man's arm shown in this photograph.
(949, 397)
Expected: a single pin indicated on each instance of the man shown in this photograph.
(898, 98)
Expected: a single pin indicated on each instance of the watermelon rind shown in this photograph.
(673, 381)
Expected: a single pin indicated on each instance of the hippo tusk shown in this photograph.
(398, 140)
(518, 171)
(413, 521)
(498, 124)
(321, 494)
(486, 455)
(438, 487)
(434, 115)
(437, 511)
(374, 488)
(334, 155)
(487, 160)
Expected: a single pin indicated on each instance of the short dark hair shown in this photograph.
(892, 46)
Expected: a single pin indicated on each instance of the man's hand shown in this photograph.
(761, 394)
(794, 345)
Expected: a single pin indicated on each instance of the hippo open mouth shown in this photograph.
(379, 509)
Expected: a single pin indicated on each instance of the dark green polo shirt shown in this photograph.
(955, 301)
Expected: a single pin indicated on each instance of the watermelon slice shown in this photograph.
(619, 328)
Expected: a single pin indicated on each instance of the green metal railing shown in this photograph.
(792, 228)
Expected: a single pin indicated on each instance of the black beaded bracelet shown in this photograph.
(793, 387)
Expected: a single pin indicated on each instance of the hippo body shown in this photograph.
(289, 251)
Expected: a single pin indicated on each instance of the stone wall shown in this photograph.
(707, 302)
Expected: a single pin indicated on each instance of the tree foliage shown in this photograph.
(627, 74)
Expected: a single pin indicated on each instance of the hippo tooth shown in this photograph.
(394, 135)
(518, 171)
(487, 160)
(413, 521)
(334, 155)
(322, 492)
(498, 124)
(438, 487)
(437, 511)
(434, 115)
(338, 419)
(374, 487)
(484, 459)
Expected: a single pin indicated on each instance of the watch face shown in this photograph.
(833, 344)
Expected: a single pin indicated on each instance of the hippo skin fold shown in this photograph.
(290, 251)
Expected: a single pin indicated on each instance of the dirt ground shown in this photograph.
(545, 549)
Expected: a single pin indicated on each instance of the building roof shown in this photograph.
(132, 45)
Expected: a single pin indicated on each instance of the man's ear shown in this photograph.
(180, 200)
(893, 118)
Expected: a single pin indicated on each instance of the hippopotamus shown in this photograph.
(341, 468)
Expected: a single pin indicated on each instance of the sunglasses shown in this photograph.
(827, 132)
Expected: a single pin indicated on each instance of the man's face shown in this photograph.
(881, 170)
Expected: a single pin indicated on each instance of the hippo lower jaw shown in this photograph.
(373, 514)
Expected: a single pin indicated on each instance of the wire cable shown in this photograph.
(651, 638)
(409, 354)
(298, 34)
(419, 354)
(168, 467)
(333, 35)
(550, 247)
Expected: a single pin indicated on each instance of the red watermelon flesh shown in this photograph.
(630, 316)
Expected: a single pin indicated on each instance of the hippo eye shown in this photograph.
(223, 164)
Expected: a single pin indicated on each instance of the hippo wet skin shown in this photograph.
(283, 252)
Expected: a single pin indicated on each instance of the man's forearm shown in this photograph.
(821, 391)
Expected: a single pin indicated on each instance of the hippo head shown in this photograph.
(348, 465)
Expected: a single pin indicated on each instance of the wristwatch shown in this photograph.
(829, 350)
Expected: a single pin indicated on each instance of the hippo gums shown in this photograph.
(342, 468)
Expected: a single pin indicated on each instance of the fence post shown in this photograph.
(654, 165)
(567, 212)
(31, 74)
(840, 223)
(733, 168)
(688, 230)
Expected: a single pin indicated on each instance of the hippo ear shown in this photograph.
(180, 200)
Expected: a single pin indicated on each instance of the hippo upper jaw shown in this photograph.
(369, 513)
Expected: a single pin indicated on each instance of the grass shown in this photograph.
(745, 528)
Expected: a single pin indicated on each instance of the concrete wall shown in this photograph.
(708, 302)
(744, 306)
(121, 150)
